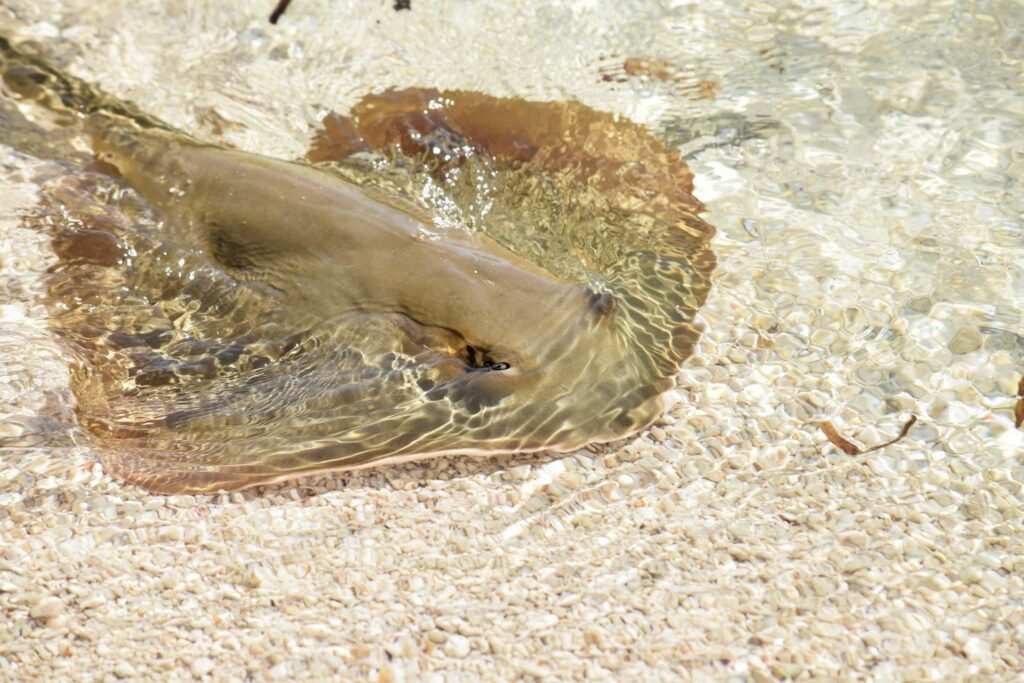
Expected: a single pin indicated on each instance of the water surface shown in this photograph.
(514, 276)
(861, 163)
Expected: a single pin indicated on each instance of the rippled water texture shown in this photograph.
(860, 161)
(515, 276)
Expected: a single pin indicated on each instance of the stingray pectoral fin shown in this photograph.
(176, 475)
(169, 466)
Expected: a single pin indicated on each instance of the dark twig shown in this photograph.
(838, 441)
(903, 433)
(282, 5)
(851, 448)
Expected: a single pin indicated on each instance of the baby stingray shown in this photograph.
(446, 273)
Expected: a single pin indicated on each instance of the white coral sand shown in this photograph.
(730, 541)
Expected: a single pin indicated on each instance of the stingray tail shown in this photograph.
(33, 78)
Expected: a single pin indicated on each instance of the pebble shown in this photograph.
(965, 340)
(47, 608)
(252, 578)
(93, 601)
(281, 671)
(787, 669)
(543, 621)
(172, 533)
(936, 582)
(976, 649)
(201, 666)
(390, 674)
(457, 646)
(124, 670)
(535, 670)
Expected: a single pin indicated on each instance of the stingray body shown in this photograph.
(307, 324)
(328, 250)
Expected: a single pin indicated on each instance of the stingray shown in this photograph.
(444, 273)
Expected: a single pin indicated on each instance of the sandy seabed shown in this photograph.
(730, 541)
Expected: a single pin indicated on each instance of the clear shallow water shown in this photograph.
(866, 199)
(861, 163)
(236, 320)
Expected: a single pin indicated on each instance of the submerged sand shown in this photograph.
(687, 552)
(730, 541)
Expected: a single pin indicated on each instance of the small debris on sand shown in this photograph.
(851, 448)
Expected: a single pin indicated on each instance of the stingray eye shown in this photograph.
(478, 360)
